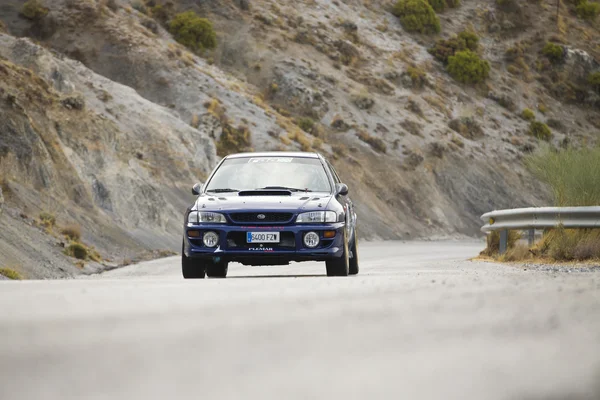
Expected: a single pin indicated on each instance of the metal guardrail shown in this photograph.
(539, 218)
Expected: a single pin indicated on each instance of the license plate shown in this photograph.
(262, 237)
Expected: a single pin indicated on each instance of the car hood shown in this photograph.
(298, 201)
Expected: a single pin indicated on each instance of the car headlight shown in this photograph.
(198, 217)
(315, 217)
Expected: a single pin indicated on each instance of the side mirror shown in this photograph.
(197, 189)
(341, 189)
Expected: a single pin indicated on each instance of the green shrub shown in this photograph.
(554, 52)
(588, 10)
(467, 67)
(453, 3)
(539, 130)
(34, 10)
(10, 274)
(77, 250)
(417, 16)
(594, 80)
(465, 40)
(437, 5)
(193, 32)
(528, 114)
(470, 39)
(572, 174)
(306, 124)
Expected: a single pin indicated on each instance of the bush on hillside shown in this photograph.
(467, 67)
(588, 10)
(417, 16)
(34, 10)
(528, 114)
(77, 250)
(443, 49)
(453, 3)
(193, 31)
(539, 130)
(306, 124)
(554, 52)
(437, 5)
(234, 140)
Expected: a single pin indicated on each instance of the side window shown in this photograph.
(336, 178)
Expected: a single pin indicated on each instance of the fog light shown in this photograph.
(311, 240)
(210, 239)
(328, 234)
(194, 234)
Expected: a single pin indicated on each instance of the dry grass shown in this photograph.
(569, 244)
(572, 174)
(11, 274)
(556, 245)
(47, 220)
(72, 232)
(301, 139)
(493, 242)
(518, 252)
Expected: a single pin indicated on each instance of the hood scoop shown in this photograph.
(265, 193)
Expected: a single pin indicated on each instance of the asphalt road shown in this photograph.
(419, 322)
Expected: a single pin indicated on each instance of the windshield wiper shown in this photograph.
(291, 189)
(224, 190)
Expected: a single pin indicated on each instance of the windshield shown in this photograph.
(270, 172)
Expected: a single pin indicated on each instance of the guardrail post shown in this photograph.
(531, 237)
(503, 241)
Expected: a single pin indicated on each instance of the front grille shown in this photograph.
(269, 217)
(237, 240)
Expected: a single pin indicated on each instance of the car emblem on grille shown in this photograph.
(261, 216)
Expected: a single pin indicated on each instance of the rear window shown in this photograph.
(260, 172)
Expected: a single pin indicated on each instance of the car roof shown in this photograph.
(297, 154)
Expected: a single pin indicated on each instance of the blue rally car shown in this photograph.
(270, 209)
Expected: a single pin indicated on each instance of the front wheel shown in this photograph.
(339, 266)
(354, 255)
(217, 270)
(190, 268)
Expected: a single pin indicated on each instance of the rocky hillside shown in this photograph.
(106, 120)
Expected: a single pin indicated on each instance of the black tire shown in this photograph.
(190, 268)
(218, 270)
(339, 266)
(353, 270)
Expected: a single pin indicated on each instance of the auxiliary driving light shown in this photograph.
(210, 239)
(311, 239)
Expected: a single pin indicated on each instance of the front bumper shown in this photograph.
(232, 246)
